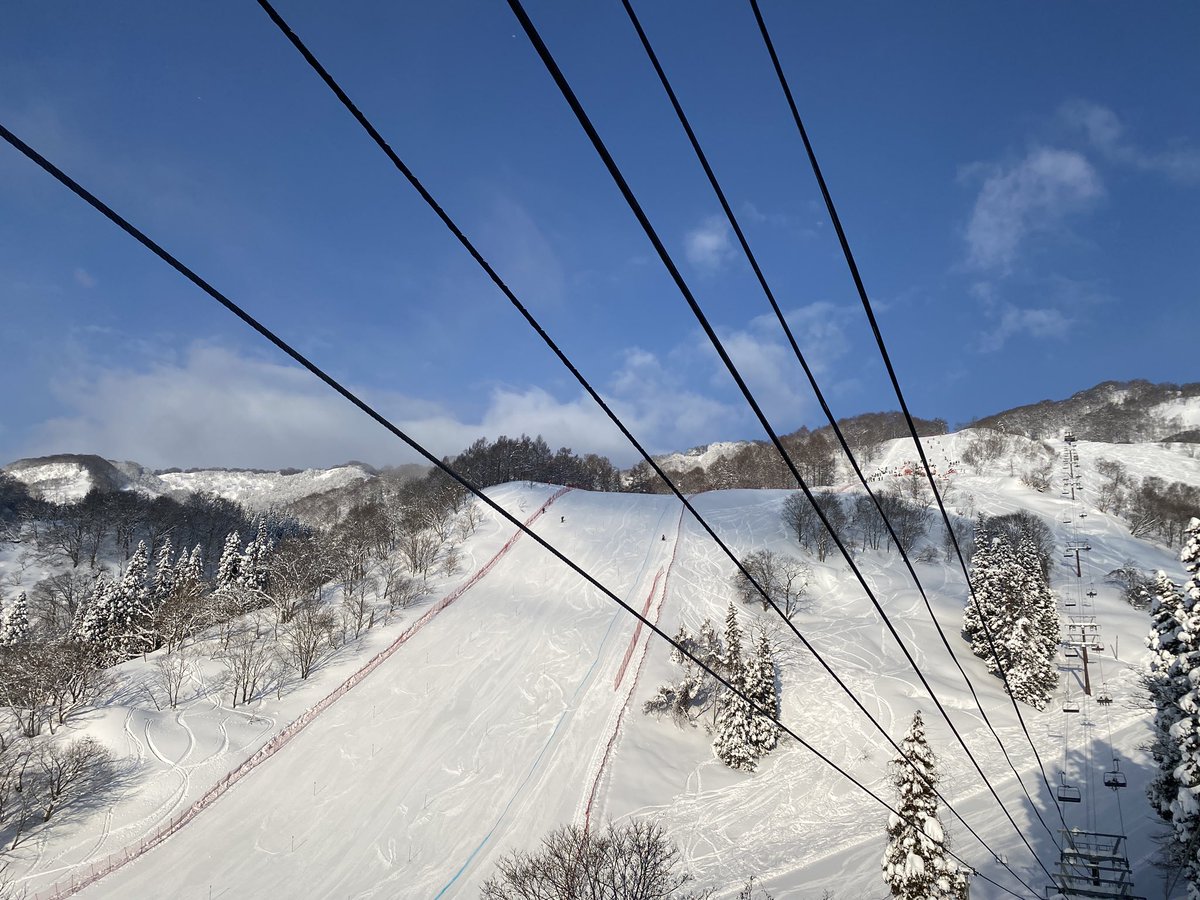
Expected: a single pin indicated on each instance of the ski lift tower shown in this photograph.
(1093, 865)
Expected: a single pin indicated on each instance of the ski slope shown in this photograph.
(517, 709)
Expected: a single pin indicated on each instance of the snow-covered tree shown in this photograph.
(761, 688)
(734, 742)
(1166, 685)
(1184, 732)
(164, 573)
(94, 623)
(14, 623)
(254, 565)
(1012, 597)
(132, 607)
(917, 864)
(229, 569)
(695, 693)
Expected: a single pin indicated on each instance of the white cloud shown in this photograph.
(1012, 320)
(1034, 195)
(1104, 131)
(216, 407)
(84, 278)
(709, 246)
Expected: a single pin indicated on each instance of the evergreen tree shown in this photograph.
(253, 569)
(94, 624)
(734, 743)
(696, 692)
(1166, 685)
(1012, 597)
(229, 569)
(916, 863)
(14, 623)
(1185, 731)
(1031, 641)
(760, 687)
(164, 573)
(132, 608)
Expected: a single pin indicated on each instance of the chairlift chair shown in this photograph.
(1098, 647)
(1067, 793)
(1070, 651)
(1091, 593)
(1116, 778)
(1071, 706)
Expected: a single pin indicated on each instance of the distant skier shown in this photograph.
(664, 537)
(562, 518)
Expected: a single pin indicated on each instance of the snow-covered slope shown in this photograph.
(518, 709)
(265, 490)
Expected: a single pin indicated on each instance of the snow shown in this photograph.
(264, 490)
(58, 482)
(505, 717)
(699, 457)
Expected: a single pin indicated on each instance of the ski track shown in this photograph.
(565, 717)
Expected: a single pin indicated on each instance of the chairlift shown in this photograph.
(1070, 603)
(1104, 698)
(1067, 793)
(1083, 515)
(1070, 651)
(1091, 593)
(1098, 647)
(1071, 706)
(1116, 778)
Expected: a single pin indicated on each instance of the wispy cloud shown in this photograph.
(710, 244)
(1033, 195)
(1104, 131)
(1010, 321)
(84, 278)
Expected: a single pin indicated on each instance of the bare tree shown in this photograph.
(394, 587)
(419, 549)
(66, 769)
(171, 670)
(246, 659)
(784, 578)
(631, 862)
(306, 639)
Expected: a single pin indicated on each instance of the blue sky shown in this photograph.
(1020, 184)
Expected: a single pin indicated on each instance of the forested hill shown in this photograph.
(1115, 412)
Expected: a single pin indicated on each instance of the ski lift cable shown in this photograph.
(816, 388)
(438, 463)
(912, 428)
(415, 182)
(664, 255)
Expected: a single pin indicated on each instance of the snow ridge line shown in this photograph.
(624, 705)
(637, 632)
(120, 858)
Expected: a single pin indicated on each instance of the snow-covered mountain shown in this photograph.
(699, 457)
(1113, 411)
(67, 477)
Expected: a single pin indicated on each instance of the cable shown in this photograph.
(787, 330)
(362, 405)
(379, 140)
(639, 213)
(912, 428)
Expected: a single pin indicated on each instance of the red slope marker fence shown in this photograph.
(119, 858)
(625, 701)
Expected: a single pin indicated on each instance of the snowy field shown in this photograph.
(517, 709)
